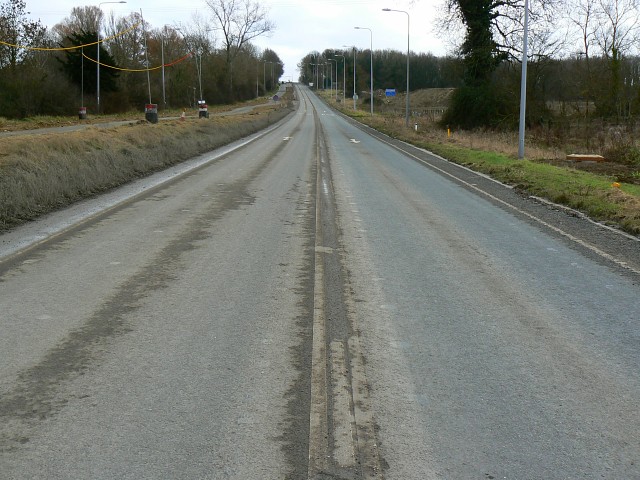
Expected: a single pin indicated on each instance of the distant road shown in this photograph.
(319, 302)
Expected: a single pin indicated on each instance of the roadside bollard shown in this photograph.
(82, 113)
(151, 112)
(202, 110)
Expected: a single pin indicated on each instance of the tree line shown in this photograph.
(54, 71)
(583, 60)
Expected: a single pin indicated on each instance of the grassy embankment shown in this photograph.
(41, 173)
(487, 152)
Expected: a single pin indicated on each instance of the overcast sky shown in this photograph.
(302, 26)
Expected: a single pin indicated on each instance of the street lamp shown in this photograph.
(198, 40)
(316, 67)
(264, 74)
(331, 77)
(324, 75)
(257, 79)
(98, 56)
(199, 69)
(407, 107)
(523, 84)
(355, 51)
(315, 59)
(344, 78)
(164, 95)
(371, 51)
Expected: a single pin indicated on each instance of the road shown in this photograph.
(321, 302)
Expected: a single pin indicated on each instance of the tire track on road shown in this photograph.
(342, 440)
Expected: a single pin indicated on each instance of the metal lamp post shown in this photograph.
(355, 51)
(198, 57)
(164, 33)
(199, 68)
(316, 67)
(344, 78)
(407, 106)
(98, 56)
(324, 75)
(371, 51)
(523, 85)
(331, 77)
(264, 74)
(164, 94)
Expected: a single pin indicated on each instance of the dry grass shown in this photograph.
(505, 143)
(41, 173)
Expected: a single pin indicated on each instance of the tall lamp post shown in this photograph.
(98, 56)
(523, 84)
(324, 75)
(315, 60)
(164, 94)
(371, 51)
(199, 69)
(407, 106)
(198, 42)
(334, 60)
(264, 74)
(344, 78)
(355, 52)
(316, 67)
(258, 79)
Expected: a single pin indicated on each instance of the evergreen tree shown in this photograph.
(478, 102)
(82, 70)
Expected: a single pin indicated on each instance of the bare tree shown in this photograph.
(583, 19)
(18, 31)
(608, 31)
(618, 29)
(124, 38)
(240, 22)
(82, 19)
(616, 34)
(201, 44)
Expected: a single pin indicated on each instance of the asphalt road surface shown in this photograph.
(321, 302)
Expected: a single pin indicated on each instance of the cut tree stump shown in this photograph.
(576, 157)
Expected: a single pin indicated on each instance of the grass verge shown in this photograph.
(39, 174)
